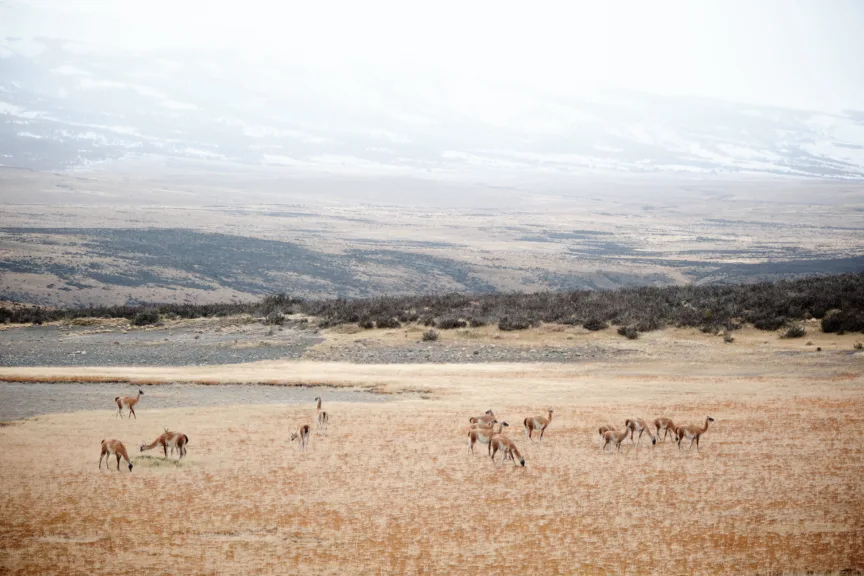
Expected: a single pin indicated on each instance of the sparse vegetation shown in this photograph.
(508, 324)
(145, 318)
(858, 346)
(630, 332)
(796, 331)
(430, 335)
(450, 323)
(275, 318)
(595, 324)
(385, 322)
(839, 299)
(728, 338)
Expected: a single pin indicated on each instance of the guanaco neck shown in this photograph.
(318, 406)
(705, 426)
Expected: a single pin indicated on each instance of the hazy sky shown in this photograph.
(803, 54)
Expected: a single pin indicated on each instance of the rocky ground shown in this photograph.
(232, 341)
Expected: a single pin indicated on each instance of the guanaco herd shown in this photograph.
(177, 441)
(484, 429)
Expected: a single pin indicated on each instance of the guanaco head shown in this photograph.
(317, 398)
(143, 447)
(489, 412)
(505, 424)
(130, 466)
(140, 392)
(293, 436)
(710, 419)
(522, 460)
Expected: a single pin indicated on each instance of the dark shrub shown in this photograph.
(843, 321)
(366, 323)
(145, 317)
(595, 324)
(384, 322)
(774, 323)
(648, 325)
(796, 331)
(430, 336)
(274, 318)
(858, 346)
(450, 323)
(629, 332)
(728, 338)
(477, 322)
(509, 324)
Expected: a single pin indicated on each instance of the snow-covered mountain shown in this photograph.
(65, 105)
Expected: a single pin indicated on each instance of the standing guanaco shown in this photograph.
(537, 424)
(483, 434)
(322, 419)
(605, 428)
(486, 418)
(173, 440)
(667, 426)
(114, 448)
(303, 434)
(128, 402)
(507, 447)
(613, 436)
(639, 425)
(692, 433)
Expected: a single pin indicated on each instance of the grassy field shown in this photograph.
(777, 487)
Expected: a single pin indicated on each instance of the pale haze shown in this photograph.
(446, 89)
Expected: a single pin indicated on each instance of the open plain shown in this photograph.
(777, 487)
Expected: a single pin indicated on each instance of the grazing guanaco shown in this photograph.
(507, 447)
(114, 448)
(484, 435)
(666, 425)
(537, 424)
(302, 434)
(487, 418)
(322, 419)
(613, 436)
(128, 402)
(173, 440)
(692, 433)
(639, 425)
(605, 428)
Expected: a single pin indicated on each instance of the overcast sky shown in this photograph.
(800, 54)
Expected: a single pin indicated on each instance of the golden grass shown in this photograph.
(777, 488)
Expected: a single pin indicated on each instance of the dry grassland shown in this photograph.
(777, 487)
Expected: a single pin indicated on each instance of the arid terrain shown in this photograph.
(96, 238)
(776, 488)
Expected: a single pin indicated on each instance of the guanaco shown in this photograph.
(605, 428)
(483, 435)
(692, 433)
(302, 434)
(114, 448)
(173, 440)
(128, 402)
(322, 419)
(666, 425)
(488, 417)
(507, 447)
(537, 424)
(639, 425)
(614, 437)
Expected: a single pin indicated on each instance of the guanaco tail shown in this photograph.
(113, 448)
(128, 402)
(667, 426)
(507, 447)
(483, 434)
(302, 434)
(639, 425)
(537, 424)
(486, 418)
(322, 419)
(692, 433)
(173, 440)
(614, 437)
